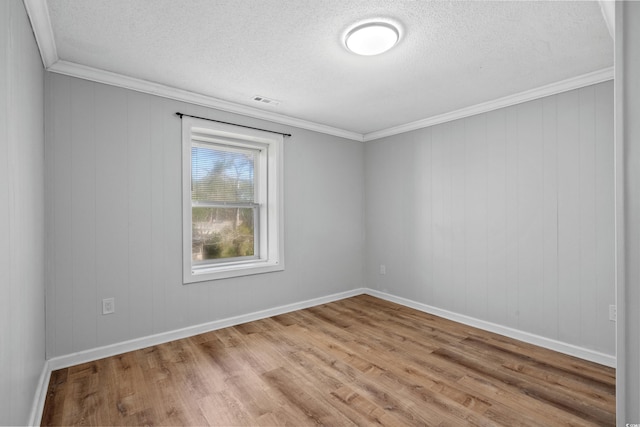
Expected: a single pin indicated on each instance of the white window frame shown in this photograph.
(269, 180)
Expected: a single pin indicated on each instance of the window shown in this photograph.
(232, 200)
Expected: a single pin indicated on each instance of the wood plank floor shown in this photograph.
(358, 361)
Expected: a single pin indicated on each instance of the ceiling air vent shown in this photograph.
(264, 100)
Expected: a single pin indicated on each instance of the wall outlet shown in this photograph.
(613, 313)
(108, 305)
(383, 269)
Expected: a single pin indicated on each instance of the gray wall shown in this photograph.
(21, 215)
(628, 145)
(114, 194)
(507, 216)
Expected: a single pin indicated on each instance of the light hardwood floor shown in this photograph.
(359, 361)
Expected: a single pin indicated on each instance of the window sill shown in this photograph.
(231, 270)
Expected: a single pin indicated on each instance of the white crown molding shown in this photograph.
(518, 98)
(114, 79)
(38, 13)
(139, 85)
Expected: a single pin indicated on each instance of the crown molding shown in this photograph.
(38, 13)
(552, 89)
(114, 79)
(139, 85)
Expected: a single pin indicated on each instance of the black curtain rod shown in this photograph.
(234, 124)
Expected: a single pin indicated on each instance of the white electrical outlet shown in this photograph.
(108, 305)
(613, 313)
(383, 269)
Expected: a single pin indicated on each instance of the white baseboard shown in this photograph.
(561, 347)
(139, 343)
(35, 416)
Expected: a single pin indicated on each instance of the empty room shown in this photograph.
(296, 212)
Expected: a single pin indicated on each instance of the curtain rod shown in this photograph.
(234, 124)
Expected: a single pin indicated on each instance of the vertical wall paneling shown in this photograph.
(313, 161)
(139, 178)
(522, 216)
(496, 218)
(111, 216)
(423, 254)
(397, 212)
(82, 181)
(169, 141)
(177, 297)
(22, 317)
(628, 150)
(62, 252)
(569, 251)
(115, 177)
(409, 184)
(512, 190)
(447, 226)
(388, 207)
(49, 221)
(155, 216)
(588, 243)
(549, 304)
(439, 215)
(530, 213)
(458, 214)
(5, 211)
(605, 216)
(475, 216)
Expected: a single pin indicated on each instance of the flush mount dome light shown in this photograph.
(372, 38)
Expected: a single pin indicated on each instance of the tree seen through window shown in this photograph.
(223, 195)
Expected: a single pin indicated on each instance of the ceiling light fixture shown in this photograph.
(372, 38)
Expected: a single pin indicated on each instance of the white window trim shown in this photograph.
(271, 239)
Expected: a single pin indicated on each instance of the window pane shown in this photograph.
(219, 233)
(218, 175)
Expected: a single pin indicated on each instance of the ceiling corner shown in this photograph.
(38, 13)
(608, 8)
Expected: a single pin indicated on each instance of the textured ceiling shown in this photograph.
(451, 54)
